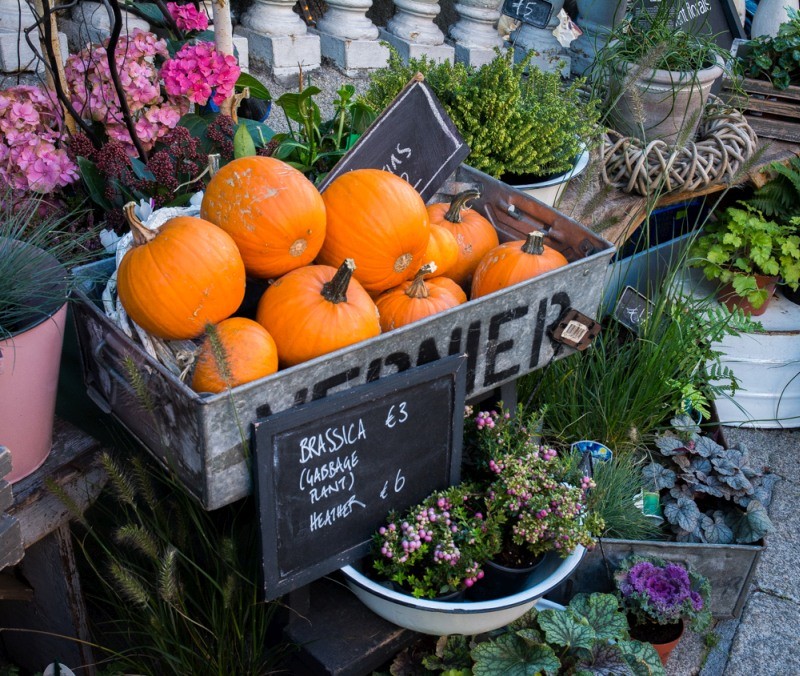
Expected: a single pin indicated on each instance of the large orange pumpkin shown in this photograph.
(273, 212)
(418, 298)
(514, 262)
(378, 220)
(474, 234)
(235, 351)
(317, 309)
(176, 280)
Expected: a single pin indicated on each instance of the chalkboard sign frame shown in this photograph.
(350, 547)
(381, 145)
(509, 10)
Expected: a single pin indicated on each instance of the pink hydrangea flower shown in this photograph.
(200, 73)
(187, 17)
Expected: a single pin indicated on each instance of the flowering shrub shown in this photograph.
(94, 97)
(540, 510)
(653, 590)
(199, 72)
(437, 546)
(30, 134)
(188, 17)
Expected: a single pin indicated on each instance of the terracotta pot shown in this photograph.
(732, 300)
(664, 644)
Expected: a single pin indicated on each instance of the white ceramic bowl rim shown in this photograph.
(469, 607)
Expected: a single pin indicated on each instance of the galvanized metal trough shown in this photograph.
(205, 439)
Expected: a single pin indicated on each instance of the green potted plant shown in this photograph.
(590, 635)
(660, 598)
(656, 75)
(523, 125)
(775, 59)
(39, 242)
(748, 254)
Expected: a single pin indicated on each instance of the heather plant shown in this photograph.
(438, 546)
(32, 156)
(655, 591)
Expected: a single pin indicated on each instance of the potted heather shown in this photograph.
(435, 549)
(660, 599)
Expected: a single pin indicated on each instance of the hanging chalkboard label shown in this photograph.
(534, 12)
(413, 138)
(328, 472)
(632, 309)
(716, 18)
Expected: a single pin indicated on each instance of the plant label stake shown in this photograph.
(575, 329)
(632, 309)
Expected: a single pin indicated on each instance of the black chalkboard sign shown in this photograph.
(702, 17)
(632, 308)
(413, 138)
(328, 472)
(534, 12)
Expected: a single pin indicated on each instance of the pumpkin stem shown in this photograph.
(534, 243)
(141, 235)
(335, 291)
(459, 202)
(418, 288)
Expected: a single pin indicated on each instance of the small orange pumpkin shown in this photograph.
(181, 277)
(418, 298)
(442, 249)
(317, 309)
(474, 234)
(378, 220)
(235, 351)
(514, 262)
(273, 212)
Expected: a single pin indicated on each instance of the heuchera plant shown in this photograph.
(31, 158)
(736, 494)
(436, 547)
(660, 592)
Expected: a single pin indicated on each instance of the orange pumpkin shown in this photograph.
(378, 220)
(418, 298)
(179, 278)
(235, 351)
(474, 234)
(442, 249)
(315, 310)
(514, 262)
(273, 212)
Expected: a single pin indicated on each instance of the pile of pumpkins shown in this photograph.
(365, 257)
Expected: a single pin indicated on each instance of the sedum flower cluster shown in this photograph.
(30, 136)
(95, 98)
(200, 73)
(664, 593)
(437, 546)
(188, 17)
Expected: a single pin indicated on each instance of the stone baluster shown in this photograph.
(475, 33)
(279, 38)
(596, 18)
(349, 39)
(15, 53)
(549, 55)
(92, 23)
(413, 32)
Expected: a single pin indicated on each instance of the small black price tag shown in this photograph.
(575, 329)
(632, 309)
(534, 12)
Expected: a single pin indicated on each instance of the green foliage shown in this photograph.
(779, 197)
(776, 59)
(741, 244)
(589, 636)
(314, 146)
(734, 493)
(31, 230)
(515, 118)
(178, 584)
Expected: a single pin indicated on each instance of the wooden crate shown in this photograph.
(772, 113)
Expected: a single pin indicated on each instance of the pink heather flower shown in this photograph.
(188, 17)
